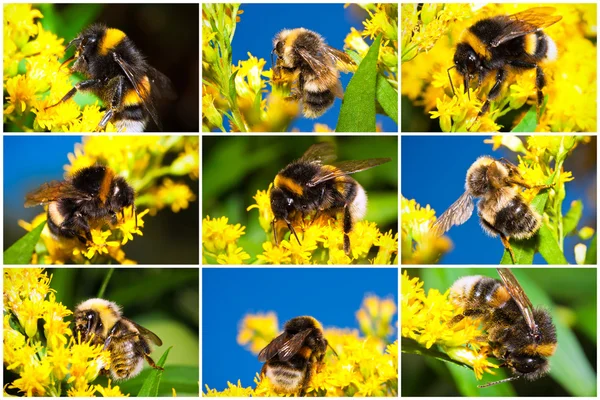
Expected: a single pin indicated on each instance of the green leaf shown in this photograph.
(232, 91)
(529, 121)
(591, 254)
(387, 98)
(184, 379)
(152, 382)
(22, 250)
(549, 248)
(358, 107)
(572, 217)
(411, 346)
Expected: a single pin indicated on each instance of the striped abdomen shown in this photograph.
(284, 376)
(511, 216)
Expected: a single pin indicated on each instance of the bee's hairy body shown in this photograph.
(508, 333)
(291, 372)
(501, 207)
(506, 42)
(305, 52)
(341, 194)
(100, 322)
(117, 73)
(91, 194)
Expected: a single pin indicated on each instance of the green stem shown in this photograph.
(105, 282)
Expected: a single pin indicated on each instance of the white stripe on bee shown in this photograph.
(461, 289)
(552, 52)
(286, 378)
(359, 204)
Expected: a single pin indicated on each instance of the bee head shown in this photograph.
(467, 62)
(122, 195)
(93, 318)
(86, 46)
(281, 204)
(485, 175)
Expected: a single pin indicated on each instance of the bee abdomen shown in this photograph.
(479, 292)
(315, 103)
(284, 377)
(126, 365)
(517, 219)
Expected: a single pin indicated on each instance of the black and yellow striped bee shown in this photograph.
(293, 357)
(304, 52)
(506, 43)
(501, 208)
(118, 73)
(519, 334)
(309, 185)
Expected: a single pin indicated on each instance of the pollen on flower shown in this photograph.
(49, 362)
(430, 320)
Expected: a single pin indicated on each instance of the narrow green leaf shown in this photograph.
(358, 107)
(529, 121)
(152, 382)
(411, 346)
(572, 217)
(549, 248)
(184, 379)
(591, 255)
(232, 92)
(387, 97)
(22, 250)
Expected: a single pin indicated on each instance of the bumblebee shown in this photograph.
(506, 43)
(100, 322)
(309, 185)
(117, 73)
(91, 194)
(501, 208)
(521, 336)
(293, 357)
(304, 53)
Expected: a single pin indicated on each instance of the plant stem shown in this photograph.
(105, 282)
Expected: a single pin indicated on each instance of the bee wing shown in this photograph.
(52, 191)
(320, 63)
(345, 168)
(457, 214)
(272, 348)
(293, 345)
(135, 78)
(528, 21)
(145, 332)
(321, 152)
(517, 293)
(341, 60)
(162, 83)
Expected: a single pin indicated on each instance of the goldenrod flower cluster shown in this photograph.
(219, 241)
(419, 244)
(366, 366)
(428, 319)
(382, 20)
(39, 346)
(141, 161)
(33, 79)
(321, 240)
(429, 38)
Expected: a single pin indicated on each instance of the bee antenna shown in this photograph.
(292, 230)
(512, 378)
(332, 349)
(274, 231)
(450, 79)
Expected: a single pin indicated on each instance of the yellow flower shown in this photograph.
(233, 257)
(111, 391)
(177, 195)
(263, 204)
(257, 330)
(274, 254)
(429, 319)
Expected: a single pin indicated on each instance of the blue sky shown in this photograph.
(261, 22)
(433, 172)
(331, 295)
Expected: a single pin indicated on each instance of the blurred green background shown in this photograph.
(167, 35)
(570, 296)
(163, 300)
(234, 168)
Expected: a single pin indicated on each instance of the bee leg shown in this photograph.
(306, 380)
(494, 92)
(540, 82)
(522, 183)
(347, 229)
(507, 247)
(151, 362)
(116, 86)
(83, 85)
